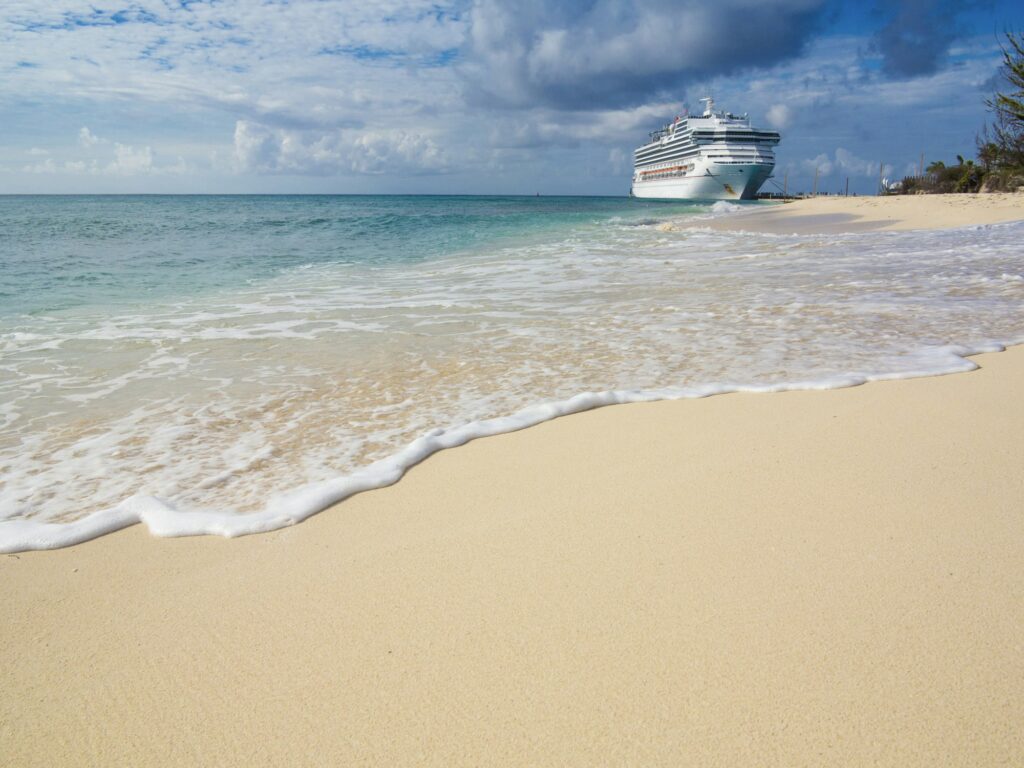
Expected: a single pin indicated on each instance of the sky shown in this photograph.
(476, 96)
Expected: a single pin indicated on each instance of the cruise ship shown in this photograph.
(714, 156)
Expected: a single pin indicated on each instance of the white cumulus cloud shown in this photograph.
(844, 161)
(822, 164)
(850, 163)
(778, 116)
(266, 149)
(129, 161)
(87, 138)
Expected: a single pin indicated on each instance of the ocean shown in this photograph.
(233, 364)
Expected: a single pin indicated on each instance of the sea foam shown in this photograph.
(286, 509)
(195, 414)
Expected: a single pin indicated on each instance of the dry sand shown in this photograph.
(806, 578)
(826, 215)
(809, 578)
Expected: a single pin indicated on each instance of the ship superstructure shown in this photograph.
(713, 156)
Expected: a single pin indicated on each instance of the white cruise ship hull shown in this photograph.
(712, 182)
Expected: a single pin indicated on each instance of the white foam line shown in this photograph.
(162, 519)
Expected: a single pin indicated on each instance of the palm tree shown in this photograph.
(969, 180)
(988, 152)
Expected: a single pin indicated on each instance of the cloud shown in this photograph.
(397, 151)
(849, 162)
(257, 148)
(495, 94)
(844, 161)
(917, 34)
(46, 166)
(269, 150)
(588, 54)
(101, 159)
(129, 161)
(51, 167)
(778, 116)
(300, 64)
(87, 138)
(822, 164)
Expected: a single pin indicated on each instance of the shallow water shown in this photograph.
(192, 360)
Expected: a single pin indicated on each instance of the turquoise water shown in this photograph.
(234, 364)
(60, 252)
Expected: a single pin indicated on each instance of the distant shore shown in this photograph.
(824, 215)
(816, 577)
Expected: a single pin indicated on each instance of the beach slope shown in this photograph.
(803, 578)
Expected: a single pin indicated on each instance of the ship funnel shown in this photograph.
(709, 106)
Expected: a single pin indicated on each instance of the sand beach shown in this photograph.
(799, 578)
(829, 214)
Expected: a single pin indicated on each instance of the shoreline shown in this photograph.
(706, 580)
(297, 505)
(815, 215)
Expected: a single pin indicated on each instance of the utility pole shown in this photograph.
(785, 185)
(920, 167)
(881, 166)
(814, 193)
(847, 187)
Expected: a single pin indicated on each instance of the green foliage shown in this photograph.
(1011, 105)
(988, 152)
(965, 176)
(1003, 180)
(1004, 149)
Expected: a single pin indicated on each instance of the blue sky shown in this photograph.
(474, 96)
